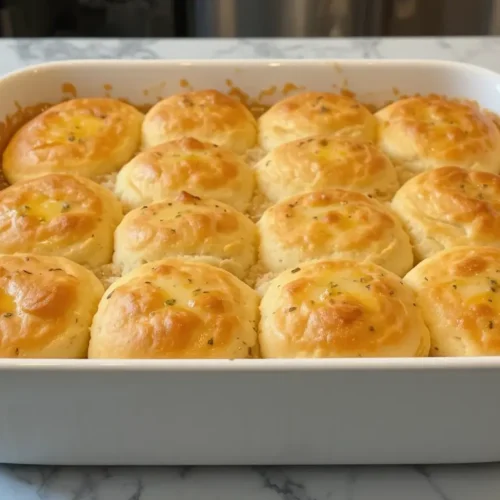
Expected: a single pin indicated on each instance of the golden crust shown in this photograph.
(324, 162)
(89, 137)
(340, 308)
(334, 224)
(176, 309)
(60, 215)
(189, 227)
(422, 133)
(198, 168)
(46, 307)
(315, 113)
(449, 207)
(207, 115)
(458, 291)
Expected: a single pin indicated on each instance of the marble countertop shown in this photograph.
(465, 482)
(480, 51)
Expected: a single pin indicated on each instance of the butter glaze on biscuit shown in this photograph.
(60, 215)
(199, 168)
(176, 309)
(449, 207)
(458, 291)
(187, 227)
(315, 113)
(426, 132)
(324, 162)
(90, 137)
(332, 224)
(46, 307)
(206, 115)
(340, 308)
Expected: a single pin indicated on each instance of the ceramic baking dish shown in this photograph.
(347, 411)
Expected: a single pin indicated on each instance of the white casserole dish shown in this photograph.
(349, 411)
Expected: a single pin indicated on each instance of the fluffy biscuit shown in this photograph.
(450, 207)
(199, 168)
(46, 307)
(207, 115)
(458, 292)
(315, 113)
(176, 308)
(60, 215)
(90, 137)
(425, 132)
(340, 308)
(187, 227)
(334, 224)
(324, 162)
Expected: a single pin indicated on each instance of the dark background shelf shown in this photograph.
(248, 18)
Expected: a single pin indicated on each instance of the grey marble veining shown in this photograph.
(19, 53)
(471, 482)
(465, 482)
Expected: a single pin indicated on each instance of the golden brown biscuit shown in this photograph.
(46, 307)
(206, 115)
(333, 224)
(315, 113)
(340, 308)
(422, 133)
(458, 292)
(89, 137)
(61, 215)
(449, 207)
(199, 168)
(187, 227)
(324, 162)
(176, 309)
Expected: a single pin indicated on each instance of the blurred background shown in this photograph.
(248, 18)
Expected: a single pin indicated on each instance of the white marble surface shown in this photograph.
(467, 482)
(481, 51)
